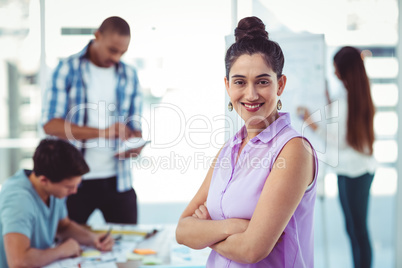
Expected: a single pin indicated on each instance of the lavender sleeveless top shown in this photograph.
(236, 188)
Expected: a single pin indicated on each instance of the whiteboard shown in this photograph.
(304, 68)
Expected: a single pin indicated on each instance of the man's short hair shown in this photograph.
(116, 25)
(58, 160)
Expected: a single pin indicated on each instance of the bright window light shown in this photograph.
(385, 123)
(381, 67)
(385, 181)
(384, 94)
(386, 151)
(331, 185)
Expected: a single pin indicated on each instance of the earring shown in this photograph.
(279, 105)
(230, 106)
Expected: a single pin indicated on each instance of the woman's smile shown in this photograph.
(252, 107)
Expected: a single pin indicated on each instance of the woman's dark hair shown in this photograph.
(360, 129)
(58, 160)
(252, 38)
(115, 24)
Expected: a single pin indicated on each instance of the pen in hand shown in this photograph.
(154, 231)
(106, 235)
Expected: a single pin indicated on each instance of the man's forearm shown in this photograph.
(63, 129)
(37, 258)
(77, 232)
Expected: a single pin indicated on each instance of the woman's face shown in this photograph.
(253, 88)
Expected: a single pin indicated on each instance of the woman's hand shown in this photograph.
(202, 212)
(304, 114)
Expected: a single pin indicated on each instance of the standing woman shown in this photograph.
(255, 207)
(356, 164)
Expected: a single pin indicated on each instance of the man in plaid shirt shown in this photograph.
(94, 102)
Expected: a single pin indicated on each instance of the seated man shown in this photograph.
(33, 210)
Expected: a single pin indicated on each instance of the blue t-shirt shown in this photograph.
(23, 211)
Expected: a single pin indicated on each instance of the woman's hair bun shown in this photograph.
(250, 28)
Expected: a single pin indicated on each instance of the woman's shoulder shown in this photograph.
(287, 133)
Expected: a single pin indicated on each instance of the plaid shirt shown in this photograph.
(66, 98)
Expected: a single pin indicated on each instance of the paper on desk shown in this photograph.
(82, 263)
(100, 265)
(183, 255)
(66, 263)
(105, 260)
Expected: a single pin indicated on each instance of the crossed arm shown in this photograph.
(200, 232)
(251, 241)
(20, 254)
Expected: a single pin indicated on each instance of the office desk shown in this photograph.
(160, 242)
(169, 252)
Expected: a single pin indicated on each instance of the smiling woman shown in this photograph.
(256, 210)
(253, 87)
